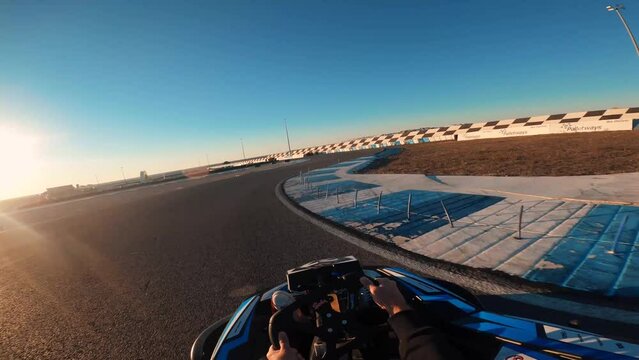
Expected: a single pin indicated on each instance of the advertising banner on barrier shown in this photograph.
(514, 131)
(438, 138)
(550, 128)
(590, 126)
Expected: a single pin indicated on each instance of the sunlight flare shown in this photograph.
(19, 160)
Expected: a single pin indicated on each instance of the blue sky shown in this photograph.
(157, 85)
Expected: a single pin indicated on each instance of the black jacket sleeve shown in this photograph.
(417, 340)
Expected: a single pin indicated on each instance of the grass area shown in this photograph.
(543, 155)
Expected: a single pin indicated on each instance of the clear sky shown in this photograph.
(89, 86)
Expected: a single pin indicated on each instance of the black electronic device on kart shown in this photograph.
(321, 273)
(328, 307)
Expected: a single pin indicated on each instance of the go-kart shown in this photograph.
(329, 315)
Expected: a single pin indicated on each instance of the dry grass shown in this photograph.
(544, 155)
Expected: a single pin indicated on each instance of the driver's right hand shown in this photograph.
(286, 352)
(386, 295)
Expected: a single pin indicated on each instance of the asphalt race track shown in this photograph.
(138, 274)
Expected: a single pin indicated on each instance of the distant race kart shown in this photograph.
(351, 326)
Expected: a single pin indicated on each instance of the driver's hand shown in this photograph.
(286, 352)
(386, 295)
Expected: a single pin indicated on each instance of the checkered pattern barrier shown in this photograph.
(584, 121)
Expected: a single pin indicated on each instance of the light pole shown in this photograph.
(287, 139)
(617, 9)
(123, 177)
(243, 154)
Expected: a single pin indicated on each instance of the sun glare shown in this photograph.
(18, 161)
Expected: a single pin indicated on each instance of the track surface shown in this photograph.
(139, 273)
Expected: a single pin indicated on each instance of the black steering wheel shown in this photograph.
(334, 328)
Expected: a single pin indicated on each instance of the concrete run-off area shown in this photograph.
(576, 232)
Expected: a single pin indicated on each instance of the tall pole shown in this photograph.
(207, 160)
(123, 177)
(243, 155)
(617, 9)
(287, 139)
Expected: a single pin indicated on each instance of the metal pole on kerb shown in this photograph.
(337, 194)
(355, 199)
(521, 215)
(379, 201)
(326, 197)
(613, 249)
(318, 192)
(617, 9)
(450, 221)
(410, 197)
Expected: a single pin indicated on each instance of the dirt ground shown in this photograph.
(542, 155)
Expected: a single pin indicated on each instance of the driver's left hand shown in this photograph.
(286, 352)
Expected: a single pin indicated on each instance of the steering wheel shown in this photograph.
(333, 327)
